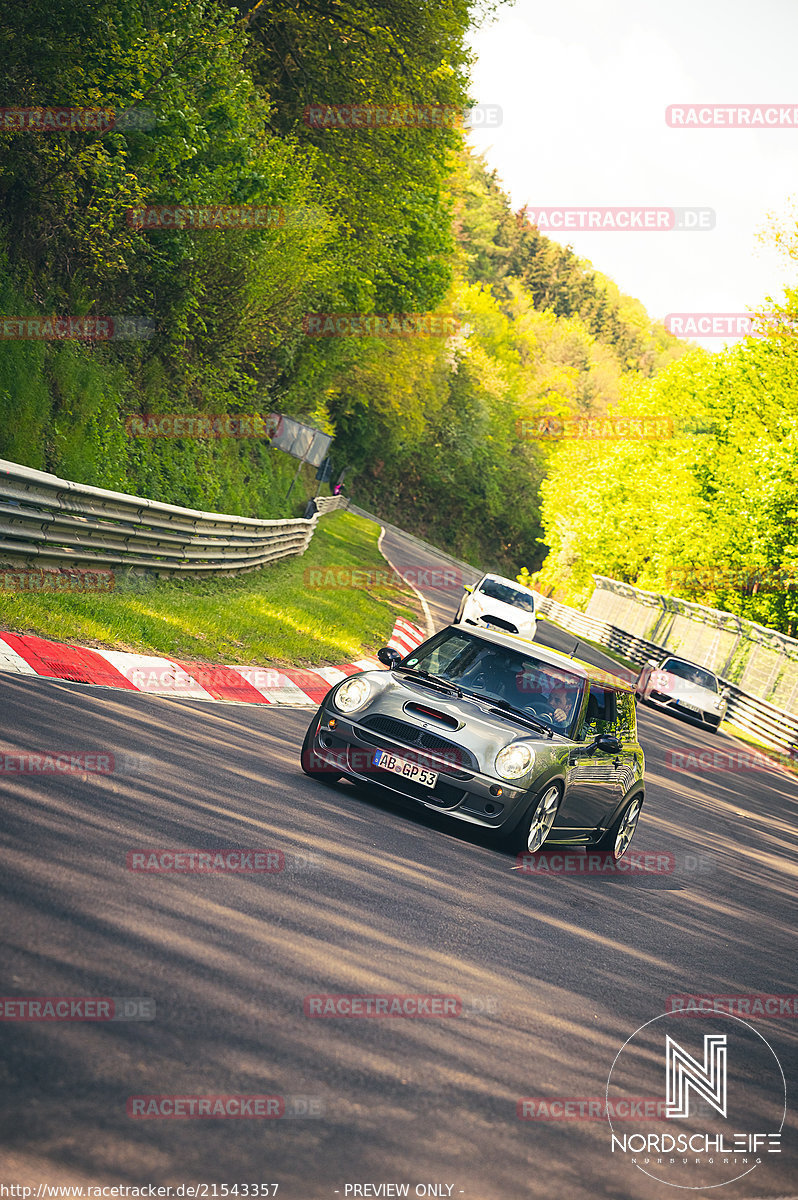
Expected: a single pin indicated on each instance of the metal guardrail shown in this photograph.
(325, 504)
(53, 522)
(761, 661)
(771, 725)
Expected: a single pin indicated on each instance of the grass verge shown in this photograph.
(293, 612)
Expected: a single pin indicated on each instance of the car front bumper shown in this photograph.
(709, 720)
(348, 749)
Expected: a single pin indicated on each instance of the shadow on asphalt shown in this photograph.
(396, 902)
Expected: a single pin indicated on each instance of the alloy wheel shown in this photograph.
(627, 828)
(543, 819)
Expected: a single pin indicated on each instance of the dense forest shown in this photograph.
(709, 515)
(400, 218)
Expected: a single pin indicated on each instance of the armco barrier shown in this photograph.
(760, 661)
(53, 522)
(771, 725)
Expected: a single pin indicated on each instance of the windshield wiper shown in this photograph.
(511, 710)
(433, 680)
(447, 685)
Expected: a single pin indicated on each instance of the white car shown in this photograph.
(498, 603)
(685, 688)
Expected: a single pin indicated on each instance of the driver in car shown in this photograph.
(561, 701)
(541, 697)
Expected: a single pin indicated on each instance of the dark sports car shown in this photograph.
(494, 730)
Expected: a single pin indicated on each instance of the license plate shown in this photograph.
(408, 770)
(692, 707)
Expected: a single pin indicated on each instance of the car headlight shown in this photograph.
(353, 694)
(514, 761)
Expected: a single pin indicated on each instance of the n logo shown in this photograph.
(684, 1072)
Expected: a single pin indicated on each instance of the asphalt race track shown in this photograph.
(554, 972)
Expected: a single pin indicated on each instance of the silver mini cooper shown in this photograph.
(494, 730)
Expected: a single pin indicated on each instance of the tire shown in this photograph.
(310, 763)
(617, 839)
(537, 821)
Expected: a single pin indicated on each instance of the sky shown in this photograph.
(583, 86)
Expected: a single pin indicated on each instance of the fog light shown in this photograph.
(495, 790)
(331, 724)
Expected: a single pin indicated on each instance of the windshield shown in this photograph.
(495, 590)
(694, 675)
(515, 677)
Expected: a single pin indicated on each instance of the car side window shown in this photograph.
(600, 715)
(627, 719)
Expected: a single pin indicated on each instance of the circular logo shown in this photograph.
(696, 1103)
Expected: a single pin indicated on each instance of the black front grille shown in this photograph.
(500, 623)
(412, 735)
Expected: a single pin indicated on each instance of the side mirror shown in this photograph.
(651, 662)
(726, 694)
(388, 656)
(468, 587)
(608, 743)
